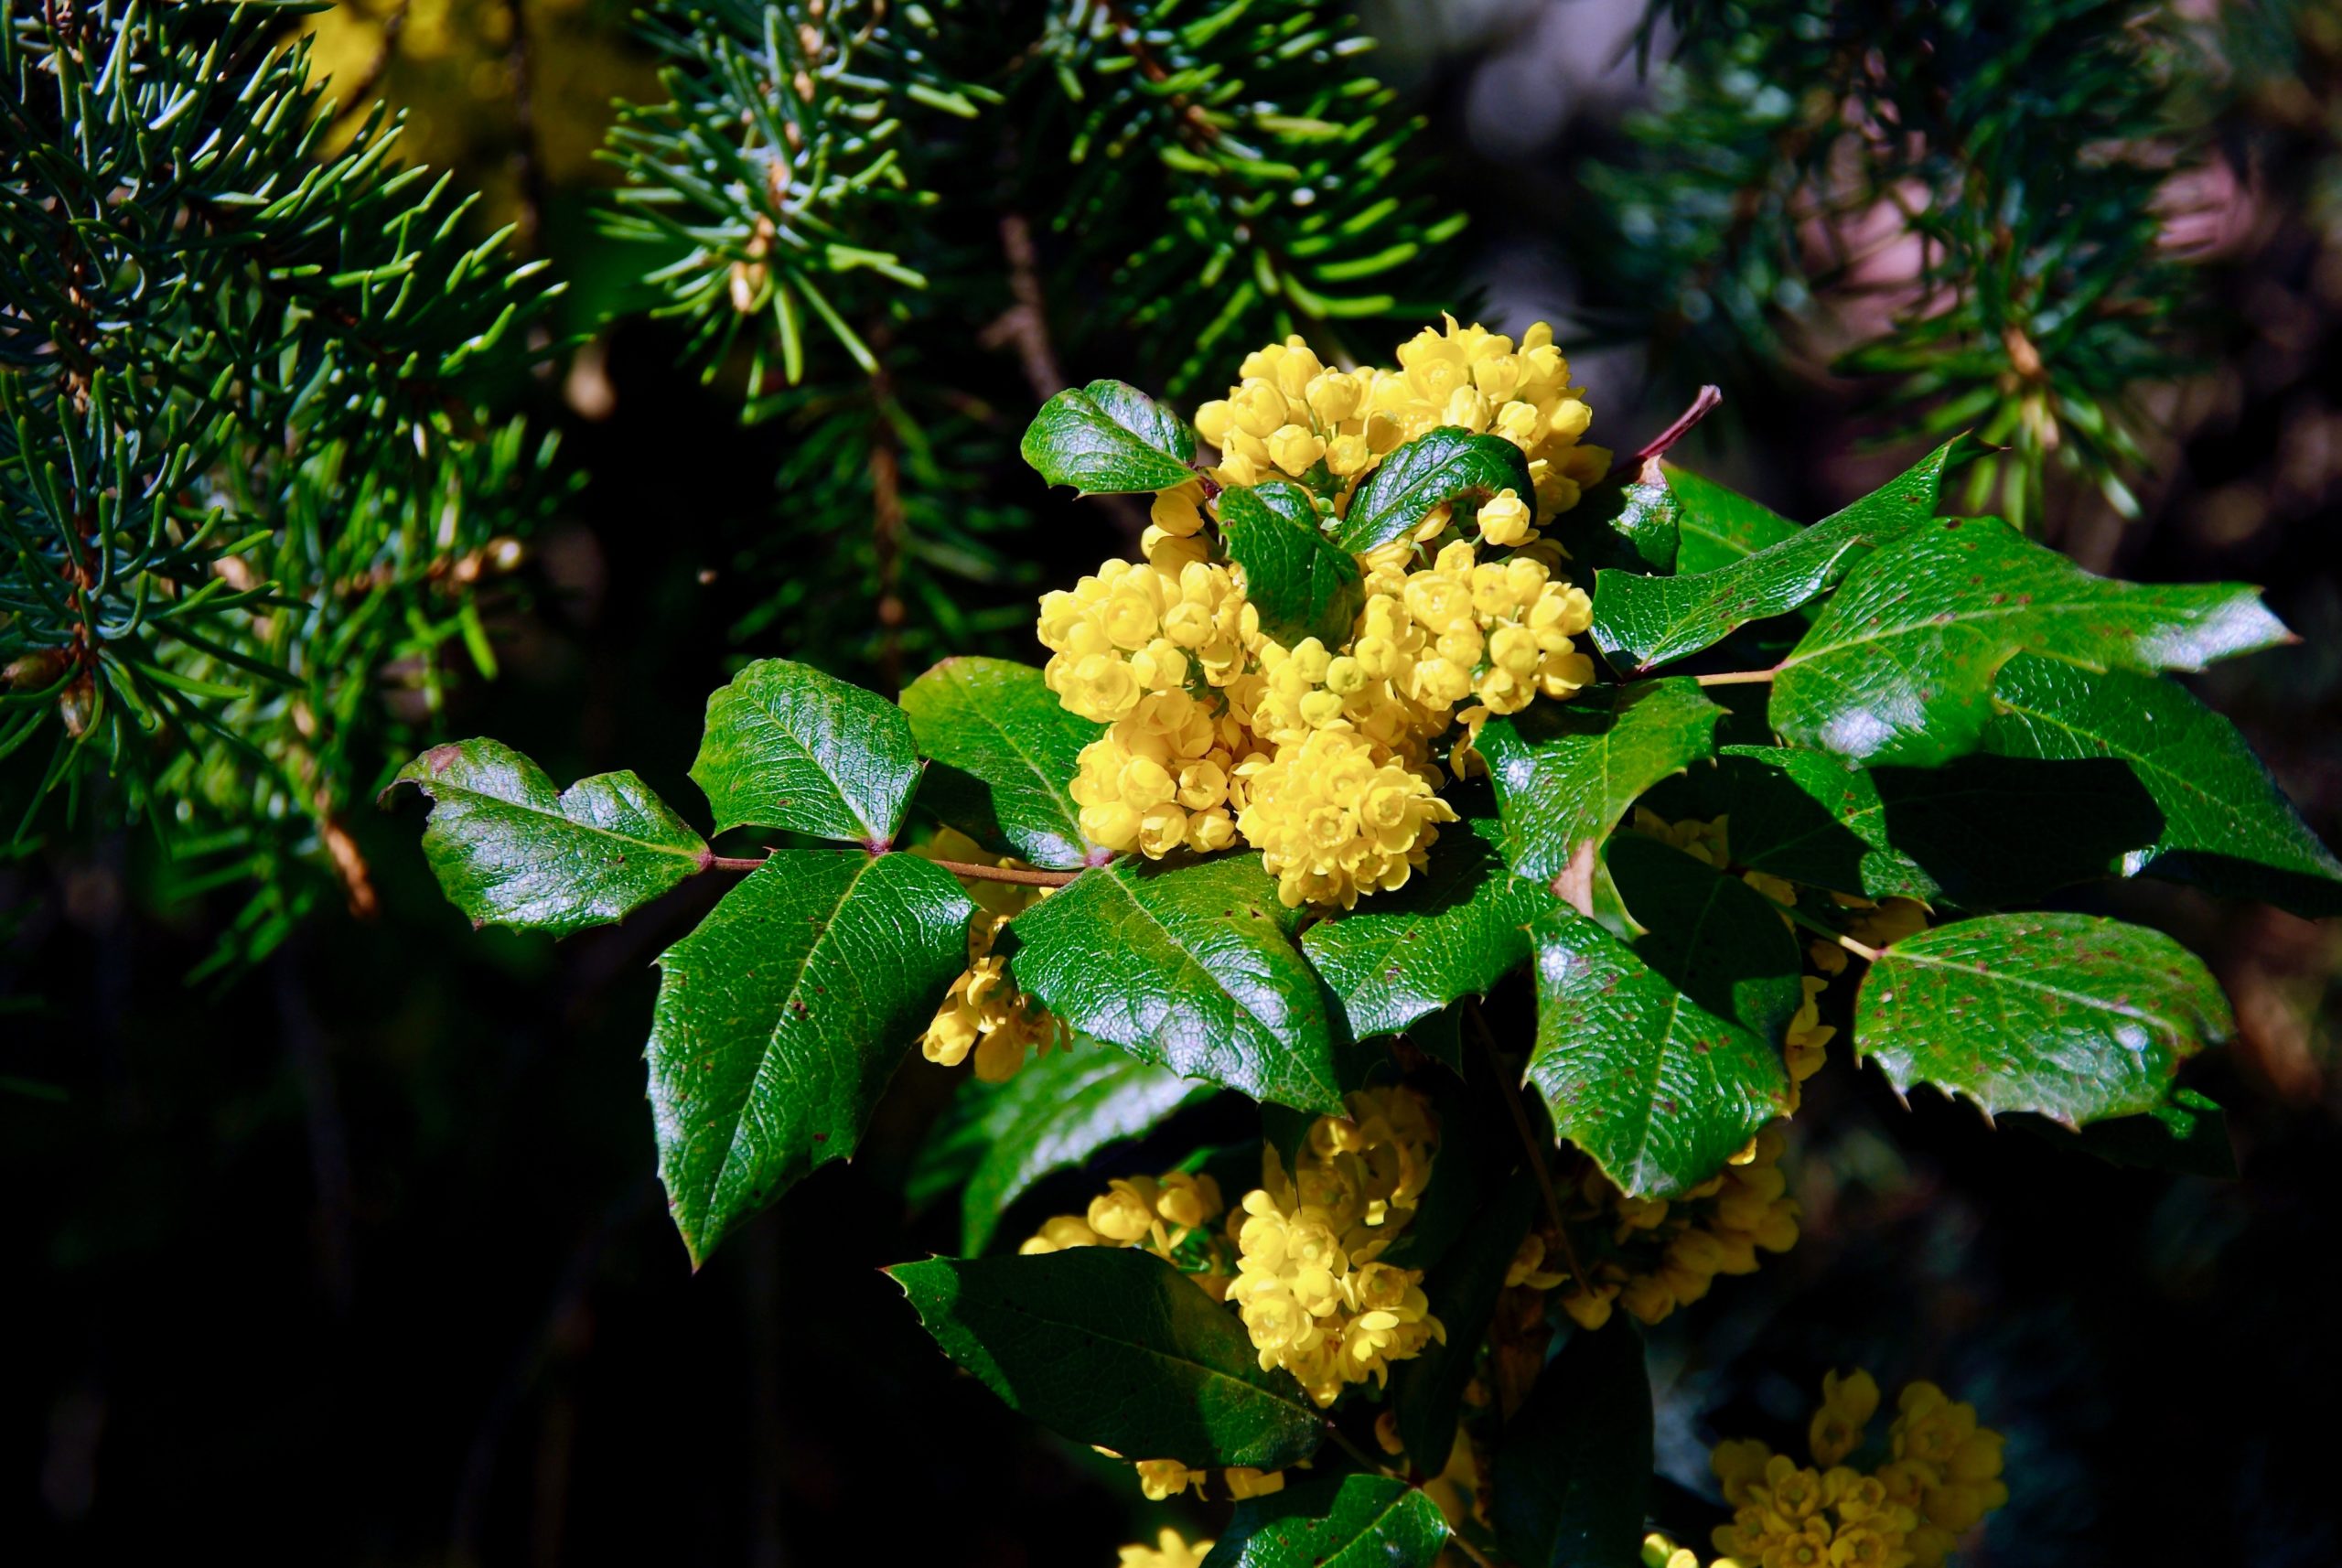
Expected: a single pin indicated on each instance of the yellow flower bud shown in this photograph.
(1333, 396)
(1259, 409)
(1162, 1479)
(1175, 511)
(1346, 455)
(1505, 519)
(1294, 448)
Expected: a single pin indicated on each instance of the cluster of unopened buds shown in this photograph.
(1309, 1284)
(984, 1015)
(1307, 1278)
(1649, 1256)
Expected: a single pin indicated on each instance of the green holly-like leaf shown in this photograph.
(781, 1019)
(1566, 772)
(1641, 622)
(1448, 464)
(1979, 832)
(1899, 666)
(1010, 749)
(1058, 1111)
(2225, 822)
(1334, 1521)
(1109, 438)
(2076, 1017)
(788, 747)
(1114, 1347)
(1454, 930)
(1428, 1391)
(510, 850)
(1719, 526)
(1659, 1089)
(1301, 581)
(1573, 1475)
(1192, 967)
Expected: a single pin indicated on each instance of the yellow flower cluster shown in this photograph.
(1167, 1215)
(1651, 1256)
(984, 1014)
(1332, 824)
(1321, 757)
(1171, 1550)
(1290, 411)
(1309, 1286)
(1942, 1479)
(1127, 648)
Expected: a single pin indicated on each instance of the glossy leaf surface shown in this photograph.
(1566, 772)
(1302, 584)
(999, 729)
(510, 850)
(1444, 465)
(2225, 823)
(781, 1019)
(1899, 666)
(2076, 1017)
(1113, 1347)
(1191, 966)
(1109, 438)
(1454, 930)
(788, 747)
(1641, 622)
(1334, 1521)
(1056, 1113)
(1659, 1089)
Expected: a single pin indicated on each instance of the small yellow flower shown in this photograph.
(1164, 1478)
(1246, 1482)
(1847, 1405)
(1505, 520)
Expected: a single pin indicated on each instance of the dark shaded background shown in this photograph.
(361, 1258)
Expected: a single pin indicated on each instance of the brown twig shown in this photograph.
(1528, 1144)
(1735, 677)
(1022, 876)
(1364, 1460)
(362, 90)
(1655, 447)
(1468, 1550)
(528, 168)
(1026, 323)
(887, 518)
(1025, 875)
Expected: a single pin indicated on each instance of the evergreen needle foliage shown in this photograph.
(1965, 200)
(244, 476)
(841, 194)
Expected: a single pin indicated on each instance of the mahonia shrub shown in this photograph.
(1413, 701)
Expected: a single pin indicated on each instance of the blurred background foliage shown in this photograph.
(353, 1250)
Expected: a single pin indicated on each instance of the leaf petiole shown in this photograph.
(1797, 917)
(1027, 877)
